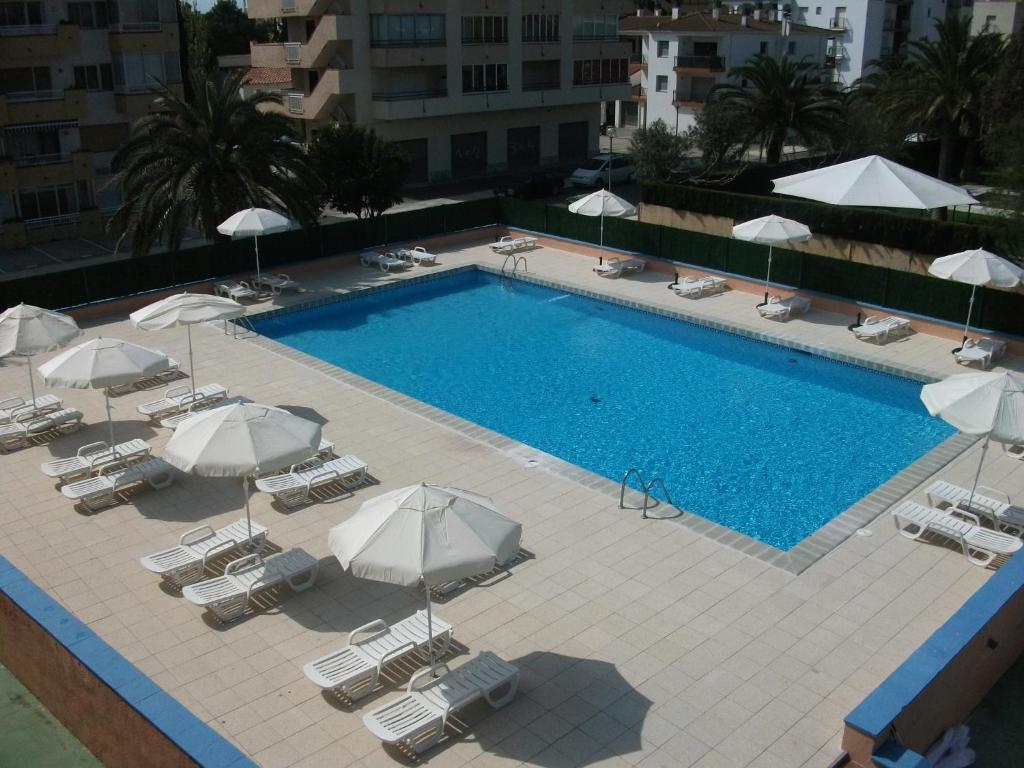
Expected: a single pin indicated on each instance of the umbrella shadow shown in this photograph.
(96, 432)
(304, 412)
(189, 499)
(445, 592)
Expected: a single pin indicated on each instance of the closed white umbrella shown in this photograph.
(876, 182)
(977, 267)
(425, 535)
(602, 203)
(26, 330)
(770, 230)
(989, 403)
(100, 364)
(253, 222)
(241, 440)
(186, 309)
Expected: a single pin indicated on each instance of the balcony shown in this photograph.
(315, 53)
(433, 54)
(545, 85)
(42, 106)
(143, 37)
(839, 23)
(700, 63)
(541, 51)
(45, 170)
(319, 104)
(50, 41)
(137, 100)
(687, 100)
(284, 9)
(403, 105)
(637, 93)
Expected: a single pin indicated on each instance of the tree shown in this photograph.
(194, 164)
(721, 138)
(230, 30)
(363, 174)
(781, 96)
(656, 151)
(1004, 123)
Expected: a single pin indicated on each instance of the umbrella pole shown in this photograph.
(256, 244)
(600, 256)
(31, 382)
(110, 421)
(768, 274)
(977, 475)
(191, 365)
(248, 515)
(967, 325)
(430, 631)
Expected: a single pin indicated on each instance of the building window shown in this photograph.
(595, 28)
(47, 201)
(479, 78)
(791, 48)
(661, 84)
(21, 79)
(484, 29)
(139, 72)
(540, 28)
(95, 77)
(43, 143)
(392, 31)
(663, 49)
(148, 12)
(599, 71)
(92, 15)
(990, 23)
(764, 47)
(20, 14)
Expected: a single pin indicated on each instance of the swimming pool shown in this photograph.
(765, 440)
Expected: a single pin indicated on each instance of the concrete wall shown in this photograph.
(1008, 16)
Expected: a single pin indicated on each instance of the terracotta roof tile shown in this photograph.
(268, 76)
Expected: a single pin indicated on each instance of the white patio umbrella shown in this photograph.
(989, 403)
(253, 222)
(977, 267)
(241, 440)
(873, 181)
(602, 203)
(425, 535)
(771, 230)
(102, 363)
(186, 309)
(26, 330)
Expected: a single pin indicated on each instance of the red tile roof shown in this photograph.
(268, 76)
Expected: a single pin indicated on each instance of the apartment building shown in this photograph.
(1003, 16)
(685, 54)
(468, 87)
(73, 75)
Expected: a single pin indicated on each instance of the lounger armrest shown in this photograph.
(969, 516)
(375, 628)
(242, 563)
(88, 448)
(420, 248)
(195, 535)
(995, 492)
(319, 477)
(414, 681)
(225, 546)
(12, 402)
(395, 653)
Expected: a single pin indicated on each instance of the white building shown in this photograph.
(1003, 16)
(469, 87)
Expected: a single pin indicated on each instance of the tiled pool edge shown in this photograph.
(184, 730)
(796, 560)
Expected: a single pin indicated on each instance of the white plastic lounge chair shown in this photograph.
(15, 408)
(417, 718)
(354, 670)
(1003, 515)
(509, 244)
(983, 351)
(93, 457)
(227, 596)
(695, 287)
(980, 545)
(418, 255)
(20, 433)
(180, 398)
(172, 422)
(783, 309)
(186, 563)
(293, 488)
(234, 289)
(106, 488)
(1016, 452)
(276, 283)
(880, 329)
(385, 262)
(618, 267)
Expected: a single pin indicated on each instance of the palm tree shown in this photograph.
(194, 164)
(781, 96)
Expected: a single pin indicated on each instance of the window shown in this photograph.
(20, 14)
(764, 47)
(803, 11)
(791, 48)
(990, 23)
(661, 84)
(134, 72)
(21, 79)
(47, 201)
(540, 28)
(94, 77)
(148, 12)
(599, 71)
(484, 29)
(663, 49)
(92, 15)
(817, 10)
(595, 28)
(35, 144)
(479, 78)
(390, 30)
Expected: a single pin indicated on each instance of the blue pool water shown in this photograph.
(765, 440)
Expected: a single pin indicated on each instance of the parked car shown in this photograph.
(537, 185)
(594, 173)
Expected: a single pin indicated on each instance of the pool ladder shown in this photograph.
(239, 328)
(646, 487)
(516, 260)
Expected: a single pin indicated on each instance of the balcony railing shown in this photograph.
(52, 221)
(472, 40)
(137, 26)
(27, 29)
(638, 93)
(596, 83)
(700, 62)
(688, 99)
(594, 37)
(25, 96)
(838, 23)
(541, 38)
(436, 93)
(26, 161)
(432, 42)
(548, 85)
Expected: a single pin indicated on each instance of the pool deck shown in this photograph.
(641, 642)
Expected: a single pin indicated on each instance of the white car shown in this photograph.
(594, 173)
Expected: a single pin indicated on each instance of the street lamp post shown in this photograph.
(610, 133)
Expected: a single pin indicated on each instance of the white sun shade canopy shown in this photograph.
(185, 309)
(988, 403)
(241, 439)
(603, 203)
(978, 267)
(254, 222)
(873, 181)
(424, 534)
(28, 330)
(772, 230)
(101, 363)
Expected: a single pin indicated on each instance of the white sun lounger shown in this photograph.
(385, 262)
(1003, 515)
(227, 596)
(170, 373)
(980, 545)
(234, 289)
(417, 255)
(880, 329)
(93, 457)
(417, 718)
(783, 309)
(186, 563)
(983, 351)
(180, 398)
(15, 408)
(617, 267)
(354, 670)
(172, 422)
(19, 434)
(104, 489)
(509, 244)
(294, 487)
(695, 287)
(276, 283)
(1016, 452)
